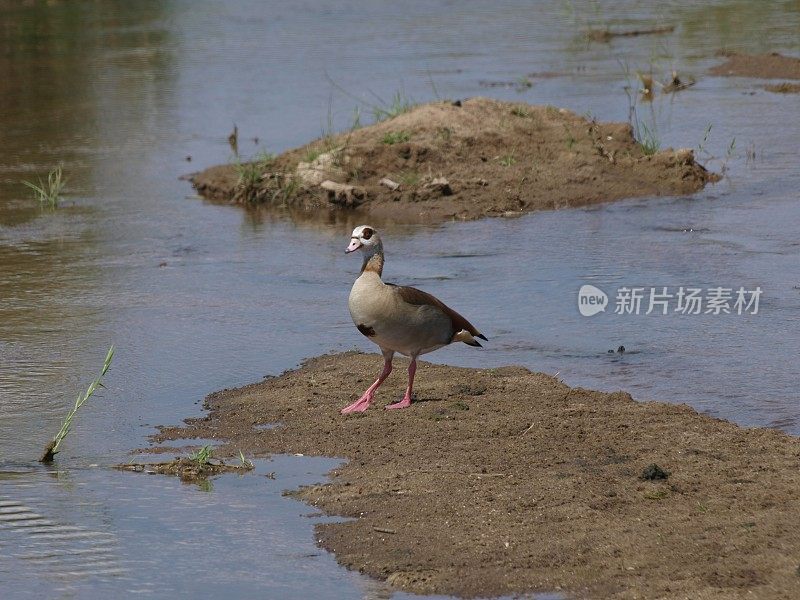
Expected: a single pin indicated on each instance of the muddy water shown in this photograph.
(197, 297)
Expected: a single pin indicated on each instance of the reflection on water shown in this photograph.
(198, 297)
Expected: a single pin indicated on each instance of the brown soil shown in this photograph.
(464, 160)
(783, 88)
(503, 481)
(762, 66)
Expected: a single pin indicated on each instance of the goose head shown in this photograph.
(366, 239)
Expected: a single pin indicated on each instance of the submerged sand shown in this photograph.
(762, 66)
(504, 481)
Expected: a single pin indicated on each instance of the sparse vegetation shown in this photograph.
(521, 111)
(570, 138)
(195, 468)
(408, 178)
(508, 160)
(202, 456)
(656, 494)
(48, 193)
(396, 137)
(354, 174)
(312, 154)
(648, 139)
(731, 148)
(247, 464)
(53, 447)
(251, 173)
(287, 189)
(356, 122)
(701, 148)
(750, 153)
(729, 154)
(397, 106)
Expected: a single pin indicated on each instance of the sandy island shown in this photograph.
(503, 481)
(762, 66)
(461, 160)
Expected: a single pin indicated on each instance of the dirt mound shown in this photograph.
(503, 481)
(762, 66)
(462, 160)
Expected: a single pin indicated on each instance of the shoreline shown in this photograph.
(504, 481)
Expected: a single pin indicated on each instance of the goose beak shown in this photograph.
(354, 245)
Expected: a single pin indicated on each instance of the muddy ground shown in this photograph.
(461, 160)
(503, 481)
(762, 66)
(188, 469)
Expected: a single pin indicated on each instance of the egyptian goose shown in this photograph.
(398, 319)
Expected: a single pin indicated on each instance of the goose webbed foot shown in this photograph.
(367, 397)
(359, 405)
(404, 403)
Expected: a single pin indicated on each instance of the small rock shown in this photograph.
(441, 185)
(392, 185)
(653, 472)
(621, 349)
(321, 168)
(343, 194)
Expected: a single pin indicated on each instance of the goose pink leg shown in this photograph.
(366, 399)
(406, 401)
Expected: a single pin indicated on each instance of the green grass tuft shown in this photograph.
(408, 178)
(202, 456)
(523, 83)
(311, 154)
(52, 448)
(396, 137)
(48, 192)
(520, 111)
(251, 173)
(247, 464)
(648, 139)
(398, 105)
(287, 189)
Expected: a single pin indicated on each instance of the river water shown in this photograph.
(197, 296)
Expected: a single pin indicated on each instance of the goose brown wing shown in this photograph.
(417, 297)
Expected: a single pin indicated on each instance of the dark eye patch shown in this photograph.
(367, 233)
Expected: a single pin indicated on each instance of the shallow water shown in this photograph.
(198, 297)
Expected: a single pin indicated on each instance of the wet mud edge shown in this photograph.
(505, 481)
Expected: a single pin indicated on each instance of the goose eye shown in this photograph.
(367, 233)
